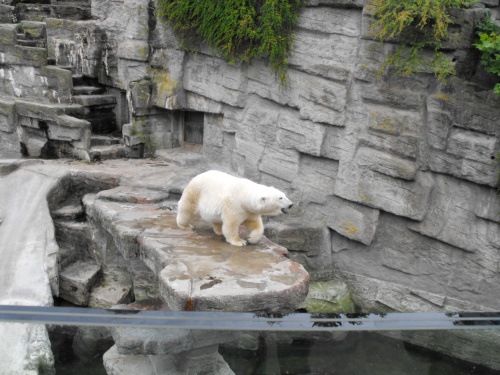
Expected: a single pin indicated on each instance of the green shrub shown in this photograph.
(238, 29)
(416, 25)
(489, 45)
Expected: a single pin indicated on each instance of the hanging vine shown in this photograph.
(238, 29)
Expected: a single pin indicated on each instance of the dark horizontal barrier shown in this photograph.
(248, 321)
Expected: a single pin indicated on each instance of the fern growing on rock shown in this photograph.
(238, 29)
(489, 45)
(416, 25)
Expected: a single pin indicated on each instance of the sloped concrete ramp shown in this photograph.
(28, 266)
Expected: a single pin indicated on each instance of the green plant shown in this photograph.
(238, 29)
(416, 25)
(489, 45)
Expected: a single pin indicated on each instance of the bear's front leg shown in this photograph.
(230, 228)
(254, 224)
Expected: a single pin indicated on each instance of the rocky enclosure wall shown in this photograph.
(394, 180)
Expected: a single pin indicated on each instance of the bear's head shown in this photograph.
(273, 202)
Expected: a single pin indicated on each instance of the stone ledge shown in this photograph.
(197, 269)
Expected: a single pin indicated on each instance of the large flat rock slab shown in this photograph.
(197, 270)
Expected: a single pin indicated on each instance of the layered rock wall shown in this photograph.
(395, 180)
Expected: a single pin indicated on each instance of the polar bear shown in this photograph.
(226, 202)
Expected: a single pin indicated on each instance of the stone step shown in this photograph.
(87, 90)
(76, 281)
(115, 288)
(105, 152)
(128, 194)
(95, 100)
(69, 210)
(28, 43)
(21, 36)
(73, 238)
(66, 67)
(105, 140)
(81, 80)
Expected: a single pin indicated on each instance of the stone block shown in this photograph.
(327, 56)
(115, 288)
(7, 116)
(439, 125)
(302, 135)
(215, 79)
(9, 146)
(322, 100)
(200, 103)
(299, 237)
(91, 342)
(76, 280)
(339, 142)
(158, 341)
(405, 146)
(472, 145)
(68, 128)
(398, 97)
(316, 178)
(451, 219)
(386, 121)
(46, 112)
(166, 91)
(350, 220)
(280, 163)
(140, 94)
(8, 35)
(332, 20)
(488, 205)
(479, 172)
(117, 364)
(405, 198)
(386, 163)
(30, 56)
(328, 297)
(133, 50)
(59, 83)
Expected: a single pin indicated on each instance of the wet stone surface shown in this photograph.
(196, 269)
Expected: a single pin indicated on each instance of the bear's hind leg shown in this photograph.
(217, 228)
(188, 205)
(256, 229)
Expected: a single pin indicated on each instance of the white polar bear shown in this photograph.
(227, 202)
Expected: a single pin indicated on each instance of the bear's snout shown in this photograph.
(285, 210)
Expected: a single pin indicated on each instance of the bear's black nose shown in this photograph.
(290, 206)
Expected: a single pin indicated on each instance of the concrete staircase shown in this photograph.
(106, 140)
(32, 34)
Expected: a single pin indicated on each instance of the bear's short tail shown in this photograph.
(188, 205)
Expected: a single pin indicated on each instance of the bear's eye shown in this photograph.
(281, 198)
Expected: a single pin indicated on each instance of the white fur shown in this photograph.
(227, 201)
